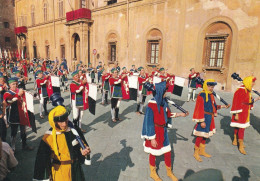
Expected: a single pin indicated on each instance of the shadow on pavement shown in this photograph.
(203, 175)
(244, 174)
(225, 125)
(111, 166)
(254, 121)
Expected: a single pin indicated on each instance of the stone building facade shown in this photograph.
(7, 25)
(217, 37)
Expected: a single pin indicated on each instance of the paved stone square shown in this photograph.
(117, 148)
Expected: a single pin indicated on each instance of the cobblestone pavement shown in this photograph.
(117, 148)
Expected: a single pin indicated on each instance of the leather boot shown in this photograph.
(235, 140)
(170, 174)
(196, 154)
(202, 151)
(153, 174)
(241, 146)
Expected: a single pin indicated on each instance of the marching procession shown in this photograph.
(63, 147)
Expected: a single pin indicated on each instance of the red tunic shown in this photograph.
(161, 135)
(39, 82)
(241, 106)
(21, 105)
(104, 78)
(112, 81)
(74, 86)
(25, 70)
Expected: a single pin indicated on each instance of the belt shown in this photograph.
(158, 125)
(66, 162)
(209, 113)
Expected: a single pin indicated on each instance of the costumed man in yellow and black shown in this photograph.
(59, 156)
(156, 121)
(204, 113)
(41, 82)
(142, 92)
(63, 73)
(242, 104)
(116, 94)
(3, 122)
(105, 86)
(15, 113)
(192, 84)
(21, 80)
(79, 98)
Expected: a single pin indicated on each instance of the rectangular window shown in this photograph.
(33, 20)
(45, 15)
(61, 14)
(47, 51)
(62, 49)
(7, 39)
(113, 52)
(215, 51)
(153, 51)
(83, 3)
(6, 25)
(109, 2)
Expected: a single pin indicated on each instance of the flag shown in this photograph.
(133, 86)
(92, 98)
(178, 86)
(125, 89)
(55, 85)
(27, 113)
(156, 80)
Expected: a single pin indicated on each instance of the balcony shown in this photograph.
(82, 13)
(20, 30)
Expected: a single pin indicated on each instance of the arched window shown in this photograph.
(112, 47)
(61, 9)
(45, 12)
(32, 14)
(154, 46)
(217, 46)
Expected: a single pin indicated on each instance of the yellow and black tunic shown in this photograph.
(66, 166)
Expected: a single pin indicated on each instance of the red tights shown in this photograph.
(200, 140)
(239, 132)
(167, 159)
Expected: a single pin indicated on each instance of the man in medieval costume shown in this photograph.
(192, 84)
(204, 113)
(156, 121)
(17, 114)
(79, 98)
(42, 82)
(60, 156)
(115, 83)
(242, 104)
